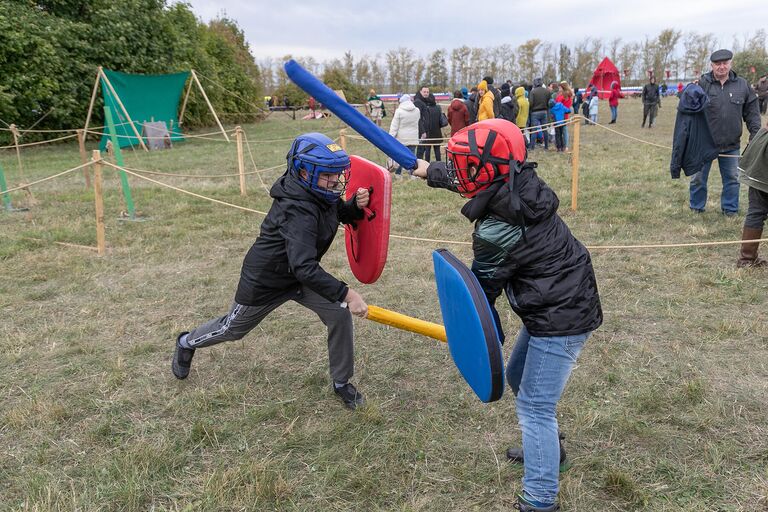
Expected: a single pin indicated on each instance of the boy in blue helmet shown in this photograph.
(284, 262)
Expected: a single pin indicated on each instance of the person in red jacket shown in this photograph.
(458, 114)
(613, 101)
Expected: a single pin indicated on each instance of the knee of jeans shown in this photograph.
(336, 316)
(528, 407)
(235, 335)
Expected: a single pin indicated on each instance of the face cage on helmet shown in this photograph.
(313, 175)
(466, 184)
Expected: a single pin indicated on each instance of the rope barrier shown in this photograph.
(26, 185)
(65, 244)
(174, 175)
(39, 142)
(177, 189)
(253, 161)
(721, 155)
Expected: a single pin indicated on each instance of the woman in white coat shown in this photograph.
(405, 126)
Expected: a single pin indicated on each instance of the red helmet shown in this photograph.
(490, 147)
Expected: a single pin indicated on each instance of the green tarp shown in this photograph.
(146, 98)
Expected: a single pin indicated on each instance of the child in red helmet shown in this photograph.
(521, 246)
(284, 262)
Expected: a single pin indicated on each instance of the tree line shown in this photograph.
(51, 49)
(682, 56)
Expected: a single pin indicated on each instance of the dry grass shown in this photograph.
(666, 411)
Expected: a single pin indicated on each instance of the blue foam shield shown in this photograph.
(473, 339)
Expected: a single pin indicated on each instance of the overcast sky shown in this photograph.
(325, 29)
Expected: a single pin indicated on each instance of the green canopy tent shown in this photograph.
(139, 99)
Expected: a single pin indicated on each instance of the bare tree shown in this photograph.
(527, 54)
(564, 63)
(613, 48)
(697, 49)
(460, 71)
(628, 59)
(437, 69)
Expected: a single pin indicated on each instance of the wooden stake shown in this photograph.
(194, 75)
(93, 98)
(122, 107)
(240, 162)
(84, 157)
(184, 105)
(343, 138)
(575, 163)
(101, 245)
(15, 132)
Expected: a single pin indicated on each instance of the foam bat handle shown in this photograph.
(347, 113)
(405, 323)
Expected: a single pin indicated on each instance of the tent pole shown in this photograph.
(184, 105)
(93, 99)
(122, 107)
(194, 75)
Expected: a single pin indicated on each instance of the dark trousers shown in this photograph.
(559, 138)
(423, 151)
(650, 111)
(757, 211)
(763, 102)
(243, 319)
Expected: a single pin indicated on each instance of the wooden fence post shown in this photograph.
(240, 162)
(575, 163)
(343, 138)
(101, 245)
(84, 157)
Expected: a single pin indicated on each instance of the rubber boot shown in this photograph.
(748, 254)
(516, 456)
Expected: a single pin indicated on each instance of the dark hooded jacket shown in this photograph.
(729, 104)
(539, 96)
(296, 233)
(692, 143)
(429, 122)
(546, 272)
(753, 165)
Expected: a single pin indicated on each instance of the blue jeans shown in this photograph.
(400, 167)
(729, 169)
(614, 113)
(537, 371)
(538, 118)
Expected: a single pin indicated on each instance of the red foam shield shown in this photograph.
(367, 239)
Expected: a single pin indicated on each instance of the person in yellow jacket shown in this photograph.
(522, 114)
(485, 109)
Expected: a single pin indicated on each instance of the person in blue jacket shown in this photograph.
(558, 111)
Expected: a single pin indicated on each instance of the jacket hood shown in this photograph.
(537, 82)
(693, 100)
(407, 105)
(506, 99)
(429, 100)
(456, 104)
(520, 92)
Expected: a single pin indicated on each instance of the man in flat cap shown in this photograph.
(731, 101)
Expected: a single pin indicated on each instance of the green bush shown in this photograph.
(52, 49)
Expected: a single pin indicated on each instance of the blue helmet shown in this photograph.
(315, 154)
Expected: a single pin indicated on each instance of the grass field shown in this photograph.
(667, 410)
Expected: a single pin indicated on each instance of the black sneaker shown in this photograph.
(516, 456)
(182, 359)
(523, 505)
(349, 395)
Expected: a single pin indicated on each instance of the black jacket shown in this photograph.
(692, 143)
(296, 233)
(509, 109)
(547, 274)
(538, 99)
(471, 103)
(429, 120)
(729, 104)
(650, 94)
